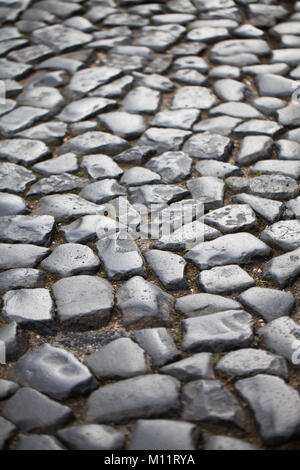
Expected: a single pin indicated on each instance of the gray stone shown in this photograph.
(143, 304)
(257, 127)
(158, 344)
(164, 435)
(225, 279)
(196, 305)
(10, 69)
(189, 77)
(85, 108)
(156, 194)
(288, 150)
(181, 119)
(32, 411)
(60, 38)
(65, 207)
(254, 148)
(207, 189)
(274, 85)
(222, 125)
(83, 302)
(11, 204)
(169, 268)
(268, 303)
(217, 332)
(121, 257)
(208, 146)
(116, 89)
(94, 142)
(26, 228)
(190, 62)
(42, 97)
(51, 133)
(232, 218)
(102, 191)
(53, 371)
(236, 110)
(230, 90)
(277, 187)
(233, 248)
(89, 228)
(138, 176)
(172, 166)
(226, 443)
(38, 442)
(31, 308)
(56, 184)
(7, 432)
(209, 401)
(284, 269)
(23, 151)
(64, 164)
(272, 401)
(142, 100)
(282, 336)
(197, 366)
(91, 437)
(126, 125)
(249, 362)
(277, 167)
(14, 340)
(268, 105)
(100, 166)
(70, 259)
(268, 209)
(147, 396)
(135, 155)
(7, 389)
(216, 168)
(21, 118)
(21, 255)
(21, 278)
(195, 97)
(160, 38)
(15, 178)
(164, 139)
(119, 359)
(284, 235)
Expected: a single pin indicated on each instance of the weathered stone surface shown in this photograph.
(91, 437)
(144, 304)
(207, 145)
(83, 302)
(226, 443)
(284, 269)
(284, 235)
(194, 97)
(197, 366)
(147, 396)
(27, 229)
(64, 164)
(173, 167)
(217, 332)
(207, 189)
(21, 255)
(268, 303)
(7, 432)
(119, 359)
(272, 400)
(282, 336)
(15, 178)
(158, 344)
(7, 389)
(102, 191)
(225, 280)
(60, 38)
(32, 411)
(254, 148)
(10, 204)
(95, 142)
(38, 442)
(53, 371)
(164, 139)
(267, 208)
(195, 305)
(169, 268)
(232, 218)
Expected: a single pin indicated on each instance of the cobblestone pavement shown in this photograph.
(187, 340)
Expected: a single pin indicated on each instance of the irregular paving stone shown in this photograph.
(288, 150)
(38, 442)
(23, 151)
(164, 139)
(119, 359)
(26, 228)
(268, 209)
(70, 259)
(138, 176)
(226, 443)
(283, 235)
(240, 46)
(65, 207)
(249, 362)
(126, 125)
(209, 401)
(14, 70)
(52, 133)
(284, 269)
(143, 304)
(156, 194)
(188, 77)
(155, 81)
(53, 371)
(21, 278)
(195, 305)
(289, 115)
(197, 366)
(21, 118)
(277, 187)
(21, 255)
(272, 400)
(7, 431)
(169, 268)
(91, 437)
(120, 256)
(282, 336)
(84, 81)
(207, 189)
(83, 301)
(100, 167)
(160, 38)
(216, 168)
(31, 411)
(9, 105)
(102, 191)
(222, 125)
(57, 184)
(158, 344)
(254, 148)
(190, 62)
(142, 100)
(42, 97)
(217, 332)
(7, 389)
(60, 38)
(286, 168)
(274, 85)
(236, 248)
(172, 166)
(257, 127)
(10, 204)
(268, 105)
(268, 303)
(89, 228)
(230, 90)
(147, 396)
(225, 279)
(207, 145)
(85, 108)
(193, 97)
(135, 155)
(232, 218)
(181, 119)
(236, 110)
(94, 142)
(30, 308)
(164, 435)
(293, 206)
(116, 89)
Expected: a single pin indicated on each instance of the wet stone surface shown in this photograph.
(149, 225)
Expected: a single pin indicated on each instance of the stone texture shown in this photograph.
(268, 303)
(158, 344)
